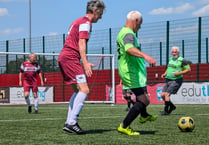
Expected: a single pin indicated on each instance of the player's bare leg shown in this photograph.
(27, 100)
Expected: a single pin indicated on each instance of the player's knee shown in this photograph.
(138, 106)
(167, 95)
(162, 95)
(26, 95)
(35, 96)
(83, 87)
(85, 90)
(147, 102)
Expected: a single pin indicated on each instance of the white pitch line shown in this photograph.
(23, 120)
(202, 114)
(84, 118)
(52, 119)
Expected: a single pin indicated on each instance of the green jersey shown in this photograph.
(132, 70)
(125, 88)
(176, 65)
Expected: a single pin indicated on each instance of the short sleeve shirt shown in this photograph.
(176, 65)
(30, 71)
(79, 29)
(132, 70)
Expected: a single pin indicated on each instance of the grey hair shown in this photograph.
(31, 54)
(94, 5)
(132, 15)
(175, 47)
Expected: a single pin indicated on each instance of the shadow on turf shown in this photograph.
(33, 113)
(147, 132)
(98, 131)
(173, 114)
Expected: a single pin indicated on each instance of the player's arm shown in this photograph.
(183, 72)
(164, 74)
(120, 84)
(135, 52)
(130, 49)
(20, 79)
(41, 78)
(186, 68)
(20, 74)
(82, 49)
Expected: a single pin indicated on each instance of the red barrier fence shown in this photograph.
(98, 82)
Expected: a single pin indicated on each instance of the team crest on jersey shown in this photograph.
(81, 78)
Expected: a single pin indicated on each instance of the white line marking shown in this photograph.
(84, 118)
(52, 119)
(202, 114)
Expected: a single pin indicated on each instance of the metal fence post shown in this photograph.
(167, 41)
(102, 59)
(199, 39)
(53, 65)
(160, 53)
(206, 50)
(24, 48)
(43, 40)
(63, 82)
(63, 38)
(199, 46)
(110, 45)
(16, 62)
(7, 58)
(182, 48)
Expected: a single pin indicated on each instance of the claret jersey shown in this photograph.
(69, 58)
(30, 71)
(79, 29)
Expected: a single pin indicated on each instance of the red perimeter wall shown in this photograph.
(98, 81)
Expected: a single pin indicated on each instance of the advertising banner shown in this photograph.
(45, 95)
(188, 93)
(154, 91)
(4, 95)
(192, 93)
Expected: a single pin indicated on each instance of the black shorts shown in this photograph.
(139, 91)
(125, 91)
(172, 86)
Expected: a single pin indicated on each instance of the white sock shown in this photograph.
(70, 107)
(77, 107)
(36, 103)
(28, 101)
